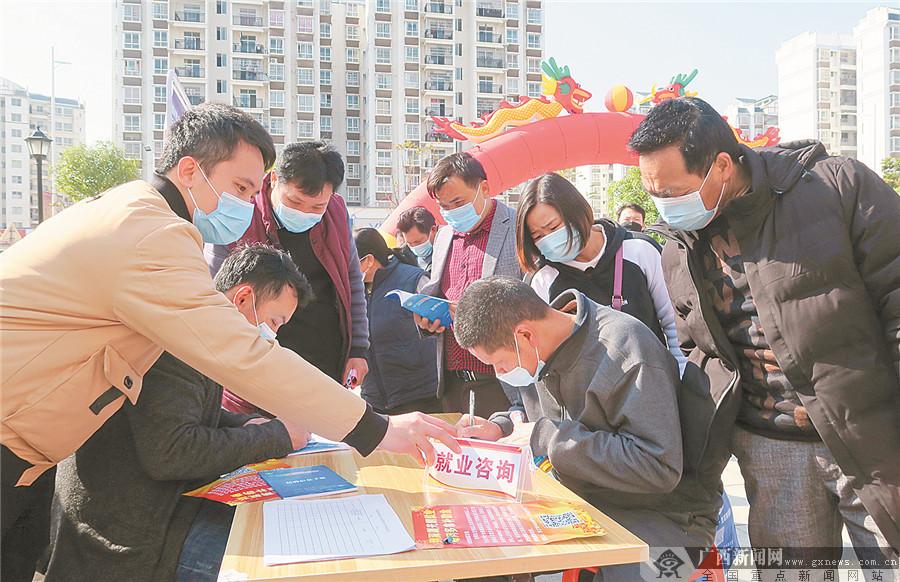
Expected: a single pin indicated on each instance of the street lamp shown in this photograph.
(39, 148)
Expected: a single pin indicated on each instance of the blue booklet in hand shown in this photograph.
(301, 482)
(428, 306)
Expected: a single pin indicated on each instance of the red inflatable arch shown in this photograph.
(549, 145)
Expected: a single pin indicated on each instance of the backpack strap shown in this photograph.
(617, 300)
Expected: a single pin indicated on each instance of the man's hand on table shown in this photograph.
(482, 429)
(409, 433)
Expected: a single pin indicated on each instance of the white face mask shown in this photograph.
(265, 331)
(519, 376)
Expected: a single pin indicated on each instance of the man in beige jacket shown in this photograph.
(91, 299)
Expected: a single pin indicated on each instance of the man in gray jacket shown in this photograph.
(605, 405)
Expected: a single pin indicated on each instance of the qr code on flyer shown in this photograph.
(558, 520)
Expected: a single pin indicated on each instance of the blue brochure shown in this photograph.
(429, 307)
(304, 482)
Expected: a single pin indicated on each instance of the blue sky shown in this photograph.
(638, 43)
(604, 43)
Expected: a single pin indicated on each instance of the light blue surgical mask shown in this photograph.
(519, 376)
(265, 332)
(296, 220)
(555, 246)
(227, 223)
(424, 250)
(688, 212)
(464, 218)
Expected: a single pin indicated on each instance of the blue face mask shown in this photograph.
(227, 223)
(555, 246)
(519, 376)
(687, 212)
(464, 218)
(296, 220)
(423, 251)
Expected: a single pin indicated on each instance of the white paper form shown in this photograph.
(297, 530)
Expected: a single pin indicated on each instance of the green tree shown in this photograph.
(629, 190)
(891, 172)
(83, 172)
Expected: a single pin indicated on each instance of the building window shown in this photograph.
(276, 98)
(534, 89)
(411, 131)
(221, 7)
(354, 195)
(324, 77)
(325, 100)
(305, 50)
(382, 6)
(512, 36)
(412, 5)
(325, 123)
(382, 55)
(383, 158)
(512, 10)
(305, 24)
(325, 54)
(160, 66)
(17, 179)
(412, 106)
(353, 55)
(325, 30)
(353, 125)
(132, 95)
(382, 29)
(160, 11)
(383, 132)
(132, 123)
(353, 78)
(353, 170)
(383, 184)
(412, 54)
(305, 77)
(276, 18)
(412, 28)
(382, 80)
(383, 106)
(276, 45)
(534, 40)
(352, 31)
(352, 9)
(325, 6)
(221, 86)
(221, 33)
(306, 103)
(352, 101)
(534, 65)
(276, 126)
(895, 99)
(305, 129)
(159, 94)
(16, 102)
(512, 60)
(512, 86)
(353, 147)
(159, 121)
(132, 40)
(160, 38)
(411, 80)
(132, 68)
(895, 145)
(895, 32)
(535, 16)
(131, 12)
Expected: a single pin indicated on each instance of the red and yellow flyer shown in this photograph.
(241, 486)
(501, 524)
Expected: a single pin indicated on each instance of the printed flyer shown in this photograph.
(241, 486)
(501, 524)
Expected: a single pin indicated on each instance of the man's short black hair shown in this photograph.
(309, 165)
(417, 216)
(267, 269)
(209, 133)
(490, 310)
(694, 126)
(461, 164)
(631, 206)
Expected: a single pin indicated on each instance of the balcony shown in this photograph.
(188, 44)
(489, 12)
(191, 71)
(438, 86)
(248, 48)
(190, 17)
(195, 99)
(493, 88)
(490, 37)
(438, 59)
(246, 20)
(249, 75)
(433, 136)
(248, 102)
(439, 33)
(438, 8)
(490, 63)
(439, 111)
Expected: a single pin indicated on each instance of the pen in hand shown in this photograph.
(471, 408)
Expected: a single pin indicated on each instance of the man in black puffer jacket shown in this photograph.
(784, 269)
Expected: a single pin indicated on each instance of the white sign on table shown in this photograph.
(487, 468)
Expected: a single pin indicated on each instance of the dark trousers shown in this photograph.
(204, 547)
(489, 395)
(429, 405)
(25, 517)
